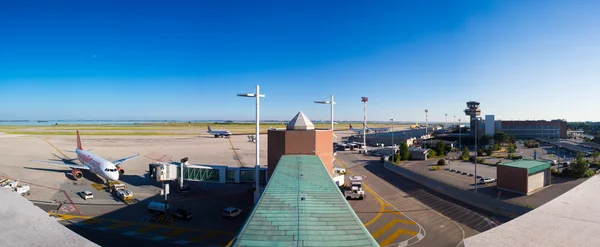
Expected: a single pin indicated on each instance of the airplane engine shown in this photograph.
(121, 170)
(77, 174)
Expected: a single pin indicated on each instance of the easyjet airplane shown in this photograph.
(99, 166)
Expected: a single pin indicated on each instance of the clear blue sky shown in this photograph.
(188, 59)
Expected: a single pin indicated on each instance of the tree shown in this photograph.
(511, 148)
(485, 140)
(579, 168)
(403, 150)
(511, 139)
(496, 147)
(441, 162)
(396, 158)
(500, 137)
(440, 147)
(465, 153)
(479, 152)
(595, 155)
(489, 151)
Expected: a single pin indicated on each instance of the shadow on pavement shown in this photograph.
(436, 201)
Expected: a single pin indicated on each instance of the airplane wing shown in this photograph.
(119, 161)
(61, 164)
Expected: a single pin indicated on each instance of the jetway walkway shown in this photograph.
(162, 171)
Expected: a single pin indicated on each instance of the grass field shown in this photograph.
(153, 129)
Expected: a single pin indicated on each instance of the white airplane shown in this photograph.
(369, 130)
(359, 131)
(99, 166)
(218, 133)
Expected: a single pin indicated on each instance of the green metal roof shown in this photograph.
(532, 166)
(302, 206)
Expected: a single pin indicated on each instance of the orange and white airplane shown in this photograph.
(91, 162)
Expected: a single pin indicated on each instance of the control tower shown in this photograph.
(473, 112)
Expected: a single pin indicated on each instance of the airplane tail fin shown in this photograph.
(78, 141)
(209, 128)
(350, 126)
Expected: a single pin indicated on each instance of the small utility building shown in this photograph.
(523, 176)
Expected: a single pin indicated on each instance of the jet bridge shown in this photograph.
(162, 171)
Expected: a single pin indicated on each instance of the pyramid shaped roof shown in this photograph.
(300, 122)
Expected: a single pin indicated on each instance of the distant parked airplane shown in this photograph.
(369, 130)
(95, 164)
(218, 133)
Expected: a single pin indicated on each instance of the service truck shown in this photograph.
(22, 189)
(121, 191)
(355, 190)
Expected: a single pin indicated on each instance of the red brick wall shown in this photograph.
(324, 148)
(275, 148)
(311, 142)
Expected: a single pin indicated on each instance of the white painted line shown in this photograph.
(403, 243)
(420, 236)
(410, 197)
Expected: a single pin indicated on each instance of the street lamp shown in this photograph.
(256, 95)
(393, 144)
(426, 127)
(446, 120)
(459, 135)
(365, 100)
(476, 127)
(330, 102)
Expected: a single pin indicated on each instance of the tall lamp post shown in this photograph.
(459, 135)
(393, 144)
(365, 100)
(330, 102)
(476, 128)
(427, 126)
(256, 95)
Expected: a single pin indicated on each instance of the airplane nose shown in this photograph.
(113, 176)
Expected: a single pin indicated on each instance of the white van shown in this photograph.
(157, 207)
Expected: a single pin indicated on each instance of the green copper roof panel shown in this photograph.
(302, 206)
(532, 166)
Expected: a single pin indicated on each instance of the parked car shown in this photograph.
(464, 173)
(86, 195)
(231, 212)
(487, 180)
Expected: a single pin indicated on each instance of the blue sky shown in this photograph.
(159, 60)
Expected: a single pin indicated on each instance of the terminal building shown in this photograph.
(520, 129)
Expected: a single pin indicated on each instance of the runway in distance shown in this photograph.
(218, 133)
(109, 170)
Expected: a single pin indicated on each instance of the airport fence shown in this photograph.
(477, 200)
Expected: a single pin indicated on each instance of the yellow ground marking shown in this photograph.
(229, 243)
(395, 235)
(204, 237)
(91, 218)
(381, 203)
(118, 225)
(173, 233)
(389, 225)
(234, 152)
(392, 212)
(46, 139)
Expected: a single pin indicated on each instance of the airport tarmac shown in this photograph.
(54, 190)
